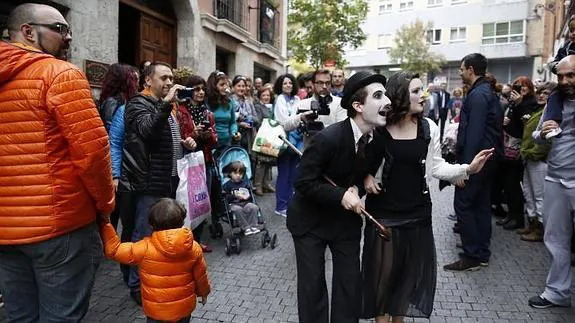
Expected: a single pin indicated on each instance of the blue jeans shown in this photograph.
(287, 163)
(52, 280)
(142, 229)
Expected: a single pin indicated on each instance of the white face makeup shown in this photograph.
(416, 96)
(376, 105)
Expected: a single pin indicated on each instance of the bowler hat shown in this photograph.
(356, 82)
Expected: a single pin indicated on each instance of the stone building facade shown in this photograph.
(246, 37)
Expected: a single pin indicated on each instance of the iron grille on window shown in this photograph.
(232, 10)
(269, 24)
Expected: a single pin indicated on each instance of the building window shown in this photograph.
(385, 7)
(434, 36)
(434, 3)
(458, 2)
(384, 41)
(503, 32)
(458, 34)
(405, 5)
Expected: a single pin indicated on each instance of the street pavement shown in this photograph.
(259, 285)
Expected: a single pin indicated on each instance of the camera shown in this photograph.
(319, 107)
(187, 93)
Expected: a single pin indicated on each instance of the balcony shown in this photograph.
(229, 17)
(269, 24)
(507, 50)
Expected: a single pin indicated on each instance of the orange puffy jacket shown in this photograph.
(55, 172)
(172, 270)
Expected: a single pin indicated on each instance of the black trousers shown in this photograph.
(126, 212)
(473, 208)
(442, 121)
(512, 175)
(311, 285)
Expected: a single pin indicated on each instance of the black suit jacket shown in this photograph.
(443, 108)
(317, 204)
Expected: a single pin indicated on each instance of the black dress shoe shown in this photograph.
(498, 212)
(512, 225)
(503, 221)
(456, 229)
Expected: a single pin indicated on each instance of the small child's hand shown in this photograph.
(203, 300)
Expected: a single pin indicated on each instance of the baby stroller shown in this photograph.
(222, 160)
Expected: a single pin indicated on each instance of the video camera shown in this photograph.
(319, 107)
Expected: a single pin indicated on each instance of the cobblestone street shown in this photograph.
(259, 284)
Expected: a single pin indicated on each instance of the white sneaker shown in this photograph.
(255, 230)
(281, 213)
(1, 301)
(248, 231)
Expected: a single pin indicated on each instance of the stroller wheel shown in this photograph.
(219, 230)
(212, 230)
(265, 240)
(228, 247)
(238, 246)
(274, 241)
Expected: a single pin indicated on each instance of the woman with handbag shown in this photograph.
(198, 122)
(523, 104)
(264, 110)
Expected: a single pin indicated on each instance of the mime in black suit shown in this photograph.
(322, 215)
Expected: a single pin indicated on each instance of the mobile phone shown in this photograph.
(186, 93)
(517, 88)
(206, 124)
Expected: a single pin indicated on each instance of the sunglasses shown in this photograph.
(62, 29)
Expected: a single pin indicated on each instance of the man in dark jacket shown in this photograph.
(152, 145)
(480, 127)
(322, 215)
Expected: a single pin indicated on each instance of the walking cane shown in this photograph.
(383, 232)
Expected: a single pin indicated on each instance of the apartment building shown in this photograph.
(246, 37)
(510, 33)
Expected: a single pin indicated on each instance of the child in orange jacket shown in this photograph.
(172, 266)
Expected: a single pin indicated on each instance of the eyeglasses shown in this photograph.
(62, 29)
(322, 84)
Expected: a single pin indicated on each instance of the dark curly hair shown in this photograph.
(194, 80)
(280, 81)
(398, 93)
(214, 96)
(120, 81)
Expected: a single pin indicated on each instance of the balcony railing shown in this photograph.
(233, 10)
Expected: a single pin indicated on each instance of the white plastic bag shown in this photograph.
(267, 140)
(192, 190)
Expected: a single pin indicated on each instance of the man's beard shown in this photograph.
(567, 89)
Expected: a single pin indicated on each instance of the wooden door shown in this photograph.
(156, 41)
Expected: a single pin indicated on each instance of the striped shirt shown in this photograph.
(177, 149)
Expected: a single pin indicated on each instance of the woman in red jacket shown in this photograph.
(198, 122)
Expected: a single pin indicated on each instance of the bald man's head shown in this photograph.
(42, 27)
(566, 76)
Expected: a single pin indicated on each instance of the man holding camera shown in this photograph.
(152, 146)
(322, 215)
(326, 108)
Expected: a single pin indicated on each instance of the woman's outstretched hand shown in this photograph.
(370, 185)
(479, 161)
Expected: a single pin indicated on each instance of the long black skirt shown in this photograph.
(399, 276)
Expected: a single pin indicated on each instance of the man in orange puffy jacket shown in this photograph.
(55, 174)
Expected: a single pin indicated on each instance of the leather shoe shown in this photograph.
(511, 225)
(259, 191)
(503, 221)
(269, 189)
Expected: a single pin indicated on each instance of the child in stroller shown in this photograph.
(237, 194)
